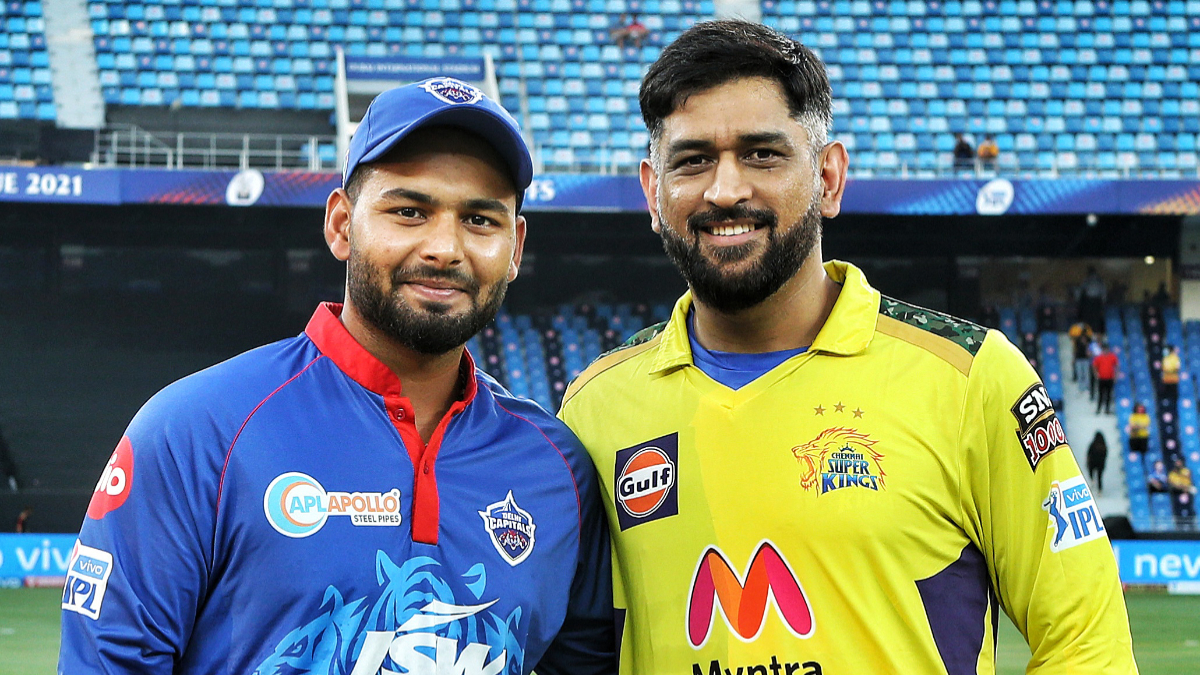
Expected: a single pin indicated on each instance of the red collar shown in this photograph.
(327, 332)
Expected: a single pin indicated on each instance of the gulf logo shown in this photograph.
(645, 482)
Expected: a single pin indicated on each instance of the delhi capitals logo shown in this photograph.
(510, 528)
(452, 91)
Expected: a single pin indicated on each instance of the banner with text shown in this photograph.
(410, 69)
(34, 559)
(1158, 562)
(586, 192)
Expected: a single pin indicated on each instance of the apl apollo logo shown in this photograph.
(297, 506)
(452, 91)
(743, 601)
(646, 481)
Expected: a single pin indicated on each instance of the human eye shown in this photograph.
(481, 222)
(690, 163)
(763, 156)
(408, 212)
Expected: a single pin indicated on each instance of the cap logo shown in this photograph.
(452, 91)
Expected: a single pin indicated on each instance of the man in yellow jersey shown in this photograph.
(802, 476)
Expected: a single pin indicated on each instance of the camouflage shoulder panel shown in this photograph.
(961, 332)
(641, 337)
(613, 358)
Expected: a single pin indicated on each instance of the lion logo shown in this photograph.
(837, 458)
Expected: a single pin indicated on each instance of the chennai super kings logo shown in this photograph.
(839, 458)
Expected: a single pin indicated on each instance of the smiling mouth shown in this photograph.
(731, 230)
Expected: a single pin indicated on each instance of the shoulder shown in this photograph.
(638, 344)
(956, 341)
(530, 418)
(222, 397)
(537, 427)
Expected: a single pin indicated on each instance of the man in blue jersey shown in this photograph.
(360, 500)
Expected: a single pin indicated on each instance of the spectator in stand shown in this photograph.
(1097, 457)
(1183, 493)
(1157, 480)
(1081, 337)
(1105, 366)
(1138, 429)
(964, 154)
(1094, 350)
(1047, 310)
(1171, 365)
(629, 30)
(988, 152)
(22, 524)
(1162, 296)
(8, 468)
(1092, 295)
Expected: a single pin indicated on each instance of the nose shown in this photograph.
(729, 186)
(441, 245)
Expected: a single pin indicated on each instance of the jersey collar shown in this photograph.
(327, 332)
(848, 330)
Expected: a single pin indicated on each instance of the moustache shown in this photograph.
(760, 217)
(417, 274)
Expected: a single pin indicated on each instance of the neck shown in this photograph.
(789, 319)
(430, 382)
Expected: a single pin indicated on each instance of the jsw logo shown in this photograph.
(425, 653)
(744, 601)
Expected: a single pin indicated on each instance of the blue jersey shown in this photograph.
(279, 513)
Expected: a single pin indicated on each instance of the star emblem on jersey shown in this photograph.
(839, 458)
(452, 91)
(510, 528)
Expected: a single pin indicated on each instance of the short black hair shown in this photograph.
(712, 53)
(356, 179)
(355, 182)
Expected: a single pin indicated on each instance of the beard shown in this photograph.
(728, 291)
(429, 329)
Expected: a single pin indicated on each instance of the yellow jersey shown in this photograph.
(864, 507)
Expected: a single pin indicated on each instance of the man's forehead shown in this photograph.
(738, 109)
(427, 153)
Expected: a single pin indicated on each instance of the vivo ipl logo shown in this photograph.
(1073, 514)
(297, 506)
(744, 601)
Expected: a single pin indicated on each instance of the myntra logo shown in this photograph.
(743, 601)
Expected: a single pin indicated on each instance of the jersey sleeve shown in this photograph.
(1032, 514)
(139, 570)
(586, 644)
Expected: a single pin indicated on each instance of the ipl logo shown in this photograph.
(452, 91)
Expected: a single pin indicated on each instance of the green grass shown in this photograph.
(29, 630)
(1166, 634)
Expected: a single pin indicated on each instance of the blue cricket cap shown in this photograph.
(441, 101)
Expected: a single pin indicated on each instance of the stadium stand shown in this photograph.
(1055, 81)
(25, 89)
(537, 355)
(1106, 87)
